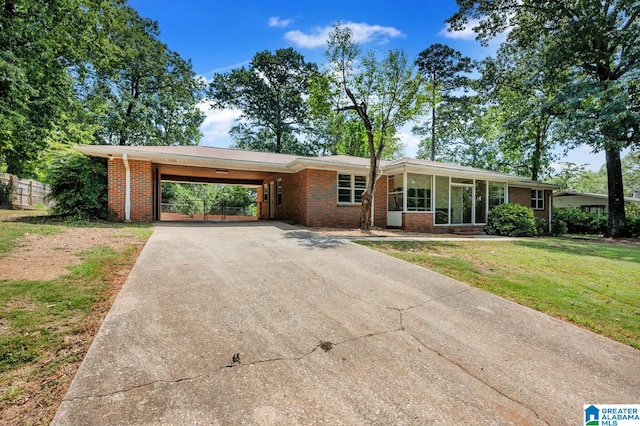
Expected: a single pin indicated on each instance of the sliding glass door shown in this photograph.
(461, 204)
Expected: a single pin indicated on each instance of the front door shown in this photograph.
(461, 204)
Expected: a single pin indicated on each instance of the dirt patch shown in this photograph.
(40, 386)
(44, 257)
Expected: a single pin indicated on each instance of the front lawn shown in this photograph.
(47, 324)
(595, 285)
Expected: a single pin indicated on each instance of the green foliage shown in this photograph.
(141, 92)
(633, 225)
(558, 226)
(444, 70)
(541, 225)
(78, 186)
(513, 82)
(511, 220)
(6, 194)
(191, 199)
(270, 93)
(580, 222)
(383, 94)
(75, 72)
(596, 45)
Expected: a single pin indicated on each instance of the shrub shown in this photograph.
(511, 220)
(580, 222)
(78, 186)
(633, 224)
(541, 226)
(558, 226)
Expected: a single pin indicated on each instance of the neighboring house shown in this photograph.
(591, 203)
(415, 195)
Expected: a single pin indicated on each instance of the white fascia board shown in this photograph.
(317, 164)
(107, 151)
(447, 171)
(535, 185)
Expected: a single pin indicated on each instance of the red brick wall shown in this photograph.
(141, 190)
(420, 222)
(310, 198)
(380, 202)
(523, 196)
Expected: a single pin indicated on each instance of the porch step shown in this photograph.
(467, 230)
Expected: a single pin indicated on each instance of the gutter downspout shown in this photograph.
(127, 189)
(550, 225)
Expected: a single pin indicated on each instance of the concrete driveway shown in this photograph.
(328, 332)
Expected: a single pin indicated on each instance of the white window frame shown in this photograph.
(537, 197)
(352, 188)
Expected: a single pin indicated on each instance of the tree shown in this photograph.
(74, 71)
(468, 135)
(270, 93)
(79, 185)
(37, 100)
(597, 42)
(513, 82)
(443, 69)
(333, 132)
(384, 94)
(141, 92)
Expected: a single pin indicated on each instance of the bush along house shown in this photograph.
(410, 194)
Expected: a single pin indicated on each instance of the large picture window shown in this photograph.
(497, 194)
(418, 192)
(350, 188)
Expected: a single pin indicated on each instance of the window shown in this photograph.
(350, 188)
(418, 192)
(598, 209)
(279, 192)
(396, 194)
(265, 192)
(497, 194)
(537, 199)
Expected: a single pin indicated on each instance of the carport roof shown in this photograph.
(235, 159)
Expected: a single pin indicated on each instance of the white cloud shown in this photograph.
(362, 33)
(275, 21)
(410, 141)
(216, 125)
(465, 34)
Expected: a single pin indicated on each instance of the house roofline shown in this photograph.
(285, 163)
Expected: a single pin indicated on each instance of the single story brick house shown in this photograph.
(415, 195)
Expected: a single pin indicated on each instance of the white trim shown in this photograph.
(127, 189)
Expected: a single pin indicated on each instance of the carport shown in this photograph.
(136, 175)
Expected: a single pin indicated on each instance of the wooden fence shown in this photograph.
(26, 192)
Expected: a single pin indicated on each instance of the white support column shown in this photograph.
(127, 189)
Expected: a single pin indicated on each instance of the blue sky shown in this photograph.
(220, 35)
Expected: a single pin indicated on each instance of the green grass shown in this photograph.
(45, 326)
(595, 285)
(37, 315)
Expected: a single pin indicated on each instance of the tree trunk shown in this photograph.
(433, 133)
(278, 142)
(536, 158)
(617, 219)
